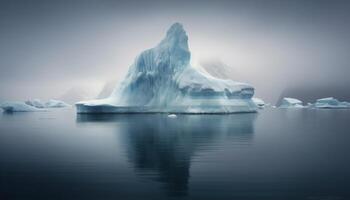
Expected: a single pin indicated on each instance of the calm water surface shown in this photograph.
(275, 154)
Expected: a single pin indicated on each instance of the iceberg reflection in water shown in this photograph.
(275, 154)
(162, 148)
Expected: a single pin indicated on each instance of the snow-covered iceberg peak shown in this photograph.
(161, 79)
(151, 77)
(176, 41)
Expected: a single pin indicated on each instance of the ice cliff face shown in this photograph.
(162, 80)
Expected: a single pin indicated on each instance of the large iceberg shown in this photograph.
(291, 103)
(162, 80)
(329, 102)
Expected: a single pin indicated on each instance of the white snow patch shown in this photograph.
(172, 116)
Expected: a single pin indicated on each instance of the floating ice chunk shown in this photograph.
(329, 102)
(291, 103)
(172, 116)
(31, 105)
(18, 106)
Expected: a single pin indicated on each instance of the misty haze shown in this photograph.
(162, 99)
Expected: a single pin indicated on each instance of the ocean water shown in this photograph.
(276, 154)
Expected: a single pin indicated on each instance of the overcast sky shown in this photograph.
(48, 47)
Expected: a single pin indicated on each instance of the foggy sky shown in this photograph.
(48, 47)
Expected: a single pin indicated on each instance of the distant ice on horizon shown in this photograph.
(288, 102)
(34, 105)
(18, 106)
(329, 103)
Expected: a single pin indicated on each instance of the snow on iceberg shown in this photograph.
(329, 102)
(162, 80)
(291, 103)
(18, 106)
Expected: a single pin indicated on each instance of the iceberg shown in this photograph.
(329, 102)
(31, 105)
(161, 79)
(18, 106)
(291, 103)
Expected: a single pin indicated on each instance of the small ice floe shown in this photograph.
(172, 116)
(291, 103)
(32, 105)
(329, 103)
